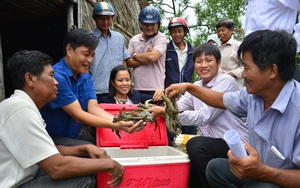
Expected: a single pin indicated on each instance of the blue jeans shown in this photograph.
(218, 174)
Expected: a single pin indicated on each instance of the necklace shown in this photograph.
(120, 101)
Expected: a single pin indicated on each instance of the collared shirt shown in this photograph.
(24, 140)
(213, 122)
(278, 126)
(230, 61)
(149, 77)
(59, 123)
(182, 55)
(110, 52)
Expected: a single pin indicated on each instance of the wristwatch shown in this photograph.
(133, 55)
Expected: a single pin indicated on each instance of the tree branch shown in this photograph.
(169, 12)
(167, 5)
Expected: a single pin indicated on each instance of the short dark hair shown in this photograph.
(271, 47)
(80, 37)
(228, 23)
(24, 61)
(113, 73)
(207, 49)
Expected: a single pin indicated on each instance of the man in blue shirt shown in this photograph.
(29, 157)
(111, 50)
(270, 102)
(76, 103)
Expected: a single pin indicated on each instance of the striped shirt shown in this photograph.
(110, 52)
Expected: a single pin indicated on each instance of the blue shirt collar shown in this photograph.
(98, 33)
(66, 67)
(284, 96)
(69, 73)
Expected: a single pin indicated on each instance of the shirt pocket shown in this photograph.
(275, 161)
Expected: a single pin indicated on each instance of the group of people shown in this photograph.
(246, 86)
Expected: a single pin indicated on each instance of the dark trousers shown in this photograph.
(201, 150)
(41, 179)
(58, 140)
(171, 138)
(218, 174)
(189, 130)
(185, 130)
(64, 141)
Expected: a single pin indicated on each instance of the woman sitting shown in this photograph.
(120, 88)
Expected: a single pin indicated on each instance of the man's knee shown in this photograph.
(259, 184)
(85, 181)
(199, 146)
(191, 144)
(214, 167)
(91, 181)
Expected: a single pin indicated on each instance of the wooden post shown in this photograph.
(70, 18)
(79, 15)
(2, 91)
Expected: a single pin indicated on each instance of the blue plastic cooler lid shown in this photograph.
(106, 137)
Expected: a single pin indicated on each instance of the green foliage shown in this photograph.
(208, 12)
(177, 8)
(298, 58)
